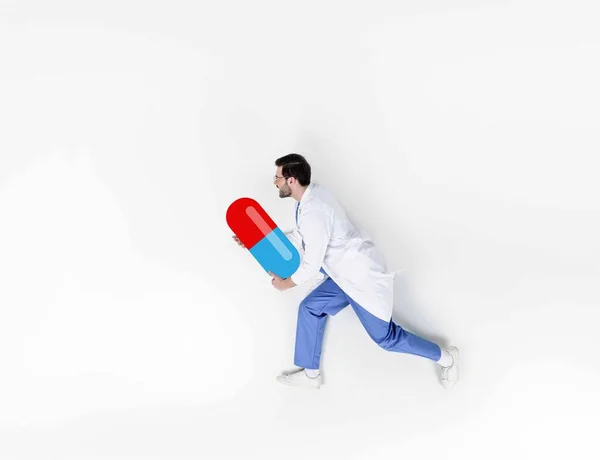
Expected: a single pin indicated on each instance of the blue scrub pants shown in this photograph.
(329, 299)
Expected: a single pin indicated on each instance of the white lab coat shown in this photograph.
(345, 252)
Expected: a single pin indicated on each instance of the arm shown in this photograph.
(294, 238)
(317, 227)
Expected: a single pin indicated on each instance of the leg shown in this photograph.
(326, 299)
(390, 336)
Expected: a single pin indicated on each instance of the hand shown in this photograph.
(281, 284)
(237, 240)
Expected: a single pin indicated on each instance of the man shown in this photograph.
(354, 273)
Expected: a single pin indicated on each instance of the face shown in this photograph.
(281, 184)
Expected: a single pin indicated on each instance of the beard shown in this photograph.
(285, 191)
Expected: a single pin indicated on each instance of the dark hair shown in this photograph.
(294, 165)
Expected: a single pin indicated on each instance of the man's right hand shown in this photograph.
(237, 240)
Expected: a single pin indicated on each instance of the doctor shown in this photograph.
(351, 271)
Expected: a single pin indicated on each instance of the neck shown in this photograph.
(297, 194)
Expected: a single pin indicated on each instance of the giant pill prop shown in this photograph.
(266, 242)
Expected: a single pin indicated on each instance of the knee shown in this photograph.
(391, 340)
(306, 306)
(385, 344)
(382, 341)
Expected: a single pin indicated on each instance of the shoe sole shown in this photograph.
(284, 382)
(457, 352)
(291, 372)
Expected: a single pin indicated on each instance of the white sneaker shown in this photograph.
(450, 374)
(299, 378)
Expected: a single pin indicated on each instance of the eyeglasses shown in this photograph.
(276, 178)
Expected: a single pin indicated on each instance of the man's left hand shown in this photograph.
(280, 283)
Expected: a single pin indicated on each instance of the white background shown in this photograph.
(462, 135)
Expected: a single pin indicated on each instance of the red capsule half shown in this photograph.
(249, 221)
